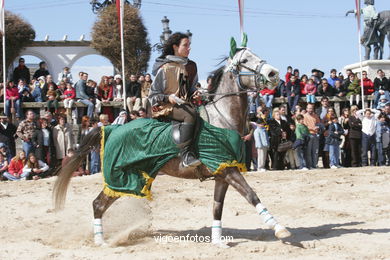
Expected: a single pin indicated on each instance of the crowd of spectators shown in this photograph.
(292, 136)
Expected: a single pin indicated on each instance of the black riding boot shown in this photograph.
(183, 135)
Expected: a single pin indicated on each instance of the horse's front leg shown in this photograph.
(100, 205)
(234, 178)
(220, 189)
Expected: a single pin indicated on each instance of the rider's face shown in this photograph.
(183, 50)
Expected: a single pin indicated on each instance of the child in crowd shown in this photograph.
(301, 134)
(4, 150)
(80, 171)
(70, 95)
(333, 140)
(291, 154)
(3, 166)
(65, 76)
(52, 99)
(37, 89)
(382, 102)
(262, 143)
(268, 96)
(288, 74)
(15, 168)
(35, 169)
(310, 89)
(380, 132)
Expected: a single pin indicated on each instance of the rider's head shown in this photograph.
(177, 44)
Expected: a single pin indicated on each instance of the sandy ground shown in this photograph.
(333, 214)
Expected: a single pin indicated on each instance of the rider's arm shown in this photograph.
(156, 94)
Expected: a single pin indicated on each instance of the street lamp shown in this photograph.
(189, 35)
(166, 31)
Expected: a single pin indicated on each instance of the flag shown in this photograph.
(2, 23)
(241, 11)
(118, 12)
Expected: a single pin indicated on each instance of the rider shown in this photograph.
(171, 92)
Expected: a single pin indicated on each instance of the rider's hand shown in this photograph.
(172, 100)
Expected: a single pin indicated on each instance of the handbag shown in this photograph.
(285, 146)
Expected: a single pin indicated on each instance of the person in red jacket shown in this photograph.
(268, 96)
(367, 84)
(70, 95)
(12, 100)
(288, 74)
(15, 168)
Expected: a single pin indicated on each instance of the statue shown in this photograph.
(377, 27)
(97, 6)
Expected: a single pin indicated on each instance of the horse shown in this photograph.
(243, 72)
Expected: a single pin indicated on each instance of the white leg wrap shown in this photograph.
(216, 234)
(268, 219)
(98, 231)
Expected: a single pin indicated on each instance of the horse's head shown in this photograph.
(251, 72)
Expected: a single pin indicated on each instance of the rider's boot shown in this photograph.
(183, 135)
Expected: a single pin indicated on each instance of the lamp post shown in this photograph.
(166, 31)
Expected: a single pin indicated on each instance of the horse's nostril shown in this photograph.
(271, 74)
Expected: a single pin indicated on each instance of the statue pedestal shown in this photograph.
(371, 66)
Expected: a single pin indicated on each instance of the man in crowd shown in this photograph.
(49, 81)
(325, 89)
(323, 109)
(81, 95)
(311, 120)
(333, 77)
(26, 130)
(381, 87)
(42, 71)
(133, 94)
(21, 72)
(8, 130)
(293, 90)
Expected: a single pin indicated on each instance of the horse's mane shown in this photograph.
(216, 76)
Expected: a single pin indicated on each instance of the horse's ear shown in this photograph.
(244, 40)
(233, 47)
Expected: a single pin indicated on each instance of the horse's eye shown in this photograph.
(244, 61)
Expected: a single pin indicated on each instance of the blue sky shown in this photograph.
(304, 34)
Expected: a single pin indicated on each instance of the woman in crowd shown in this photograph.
(84, 129)
(345, 146)
(354, 89)
(335, 131)
(276, 128)
(105, 95)
(63, 138)
(34, 168)
(355, 137)
(15, 168)
(43, 142)
(3, 166)
(145, 88)
(12, 100)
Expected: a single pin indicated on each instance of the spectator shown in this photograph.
(288, 74)
(133, 94)
(367, 84)
(103, 120)
(26, 96)
(381, 87)
(253, 103)
(311, 120)
(277, 127)
(81, 96)
(333, 77)
(302, 83)
(381, 129)
(52, 101)
(63, 138)
(293, 90)
(35, 168)
(324, 89)
(42, 140)
(8, 130)
(310, 90)
(65, 76)
(268, 96)
(26, 130)
(142, 113)
(95, 153)
(42, 71)
(69, 96)
(105, 95)
(338, 89)
(261, 143)
(291, 154)
(12, 102)
(84, 129)
(383, 101)
(3, 166)
(333, 140)
(21, 72)
(296, 74)
(121, 119)
(22, 85)
(134, 115)
(302, 135)
(345, 147)
(36, 89)
(323, 109)
(4, 150)
(91, 91)
(316, 76)
(49, 82)
(354, 89)
(15, 168)
(368, 137)
(145, 88)
(355, 137)
(80, 171)
(283, 113)
(118, 88)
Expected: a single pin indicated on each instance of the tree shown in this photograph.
(106, 39)
(18, 35)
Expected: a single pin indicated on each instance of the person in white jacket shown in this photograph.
(369, 120)
(34, 168)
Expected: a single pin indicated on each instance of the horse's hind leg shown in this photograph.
(234, 178)
(100, 205)
(220, 189)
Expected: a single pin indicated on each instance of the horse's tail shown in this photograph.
(91, 140)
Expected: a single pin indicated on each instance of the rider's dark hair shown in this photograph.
(174, 39)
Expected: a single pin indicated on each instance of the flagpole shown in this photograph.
(4, 64)
(123, 53)
(241, 13)
(360, 50)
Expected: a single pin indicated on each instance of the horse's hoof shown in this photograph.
(281, 232)
(221, 244)
(100, 242)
